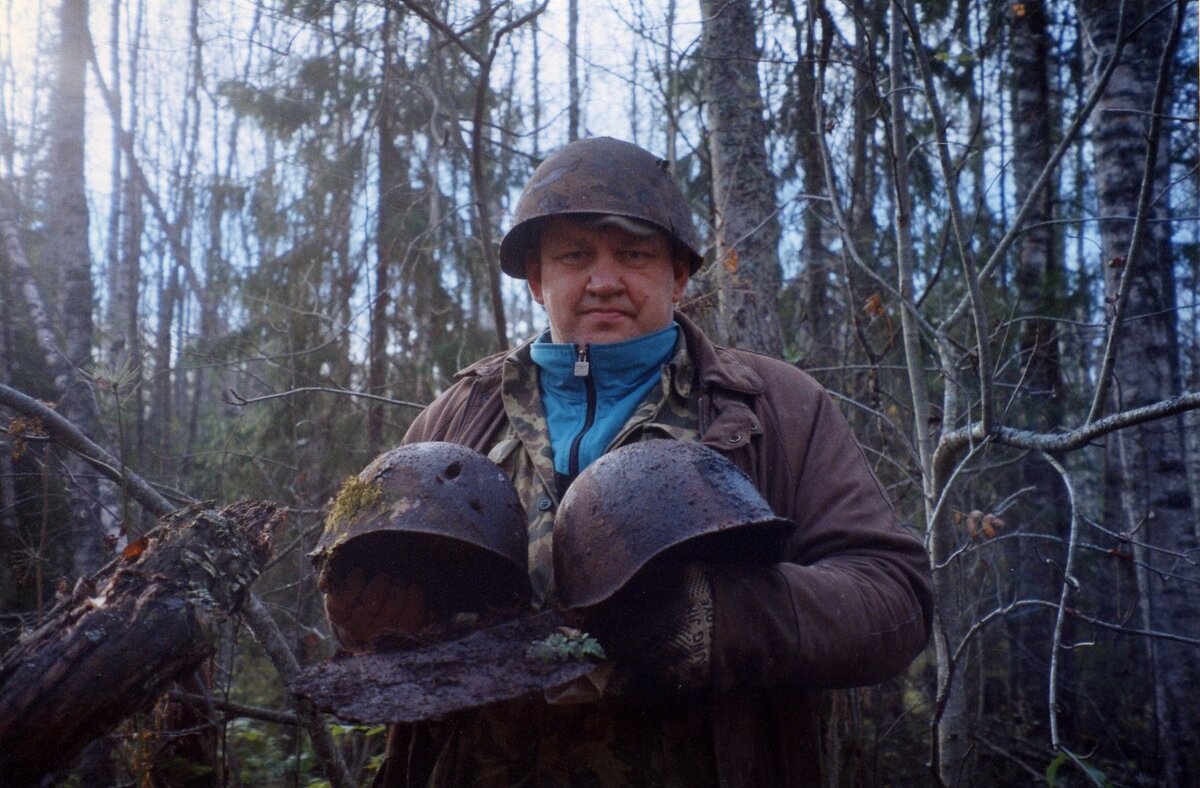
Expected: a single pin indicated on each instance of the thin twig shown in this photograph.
(269, 636)
(68, 435)
(237, 709)
(1068, 582)
(965, 253)
(237, 399)
(1031, 200)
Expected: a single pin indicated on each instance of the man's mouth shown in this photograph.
(605, 314)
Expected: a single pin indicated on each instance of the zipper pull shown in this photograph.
(583, 367)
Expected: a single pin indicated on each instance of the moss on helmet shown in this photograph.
(355, 496)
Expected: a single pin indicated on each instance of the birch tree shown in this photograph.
(69, 253)
(1142, 352)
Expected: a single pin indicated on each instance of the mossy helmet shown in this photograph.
(601, 175)
(658, 501)
(442, 514)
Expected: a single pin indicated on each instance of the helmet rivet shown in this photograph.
(735, 437)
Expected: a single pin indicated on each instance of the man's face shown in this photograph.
(603, 283)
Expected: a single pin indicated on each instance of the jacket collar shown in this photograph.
(491, 365)
(719, 367)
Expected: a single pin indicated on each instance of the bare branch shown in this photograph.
(265, 630)
(1078, 438)
(237, 399)
(69, 436)
(978, 308)
(236, 709)
(1019, 604)
(1068, 582)
(905, 265)
(268, 635)
(1068, 139)
(433, 21)
(174, 235)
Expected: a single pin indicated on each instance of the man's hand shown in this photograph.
(660, 628)
(362, 605)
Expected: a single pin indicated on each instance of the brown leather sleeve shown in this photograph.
(853, 604)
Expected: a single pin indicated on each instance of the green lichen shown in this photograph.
(355, 496)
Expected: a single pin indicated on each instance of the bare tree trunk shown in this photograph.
(117, 297)
(743, 183)
(1039, 282)
(68, 252)
(572, 70)
(386, 240)
(819, 320)
(9, 526)
(1155, 495)
(671, 97)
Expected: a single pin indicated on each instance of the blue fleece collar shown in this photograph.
(622, 374)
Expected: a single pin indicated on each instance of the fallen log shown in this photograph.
(125, 634)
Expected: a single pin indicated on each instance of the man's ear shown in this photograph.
(533, 275)
(681, 281)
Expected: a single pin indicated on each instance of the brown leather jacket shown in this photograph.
(850, 606)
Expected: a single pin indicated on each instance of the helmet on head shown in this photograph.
(653, 502)
(441, 514)
(600, 175)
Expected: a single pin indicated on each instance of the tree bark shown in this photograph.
(743, 184)
(9, 526)
(123, 635)
(68, 251)
(387, 240)
(1155, 495)
(1039, 281)
(820, 349)
(572, 70)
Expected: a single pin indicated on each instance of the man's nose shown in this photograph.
(605, 279)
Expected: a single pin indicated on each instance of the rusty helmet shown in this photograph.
(601, 175)
(656, 502)
(441, 513)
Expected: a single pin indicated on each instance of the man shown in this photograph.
(605, 240)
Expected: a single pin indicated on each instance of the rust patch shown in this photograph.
(658, 500)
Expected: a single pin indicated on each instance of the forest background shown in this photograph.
(245, 240)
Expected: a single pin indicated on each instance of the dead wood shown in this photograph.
(125, 634)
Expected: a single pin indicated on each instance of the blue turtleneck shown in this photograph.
(590, 391)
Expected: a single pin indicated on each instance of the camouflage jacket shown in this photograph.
(851, 604)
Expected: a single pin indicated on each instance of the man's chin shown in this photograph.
(604, 330)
